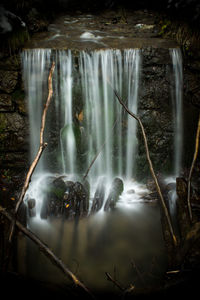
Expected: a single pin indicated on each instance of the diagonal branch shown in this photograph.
(42, 146)
(150, 166)
(96, 156)
(48, 252)
(192, 168)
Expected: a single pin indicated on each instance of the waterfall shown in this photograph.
(64, 100)
(35, 65)
(177, 98)
(104, 116)
(177, 95)
(103, 127)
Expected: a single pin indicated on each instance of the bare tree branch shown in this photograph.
(150, 166)
(109, 277)
(192, 168)
(45, 249)
(42, 146)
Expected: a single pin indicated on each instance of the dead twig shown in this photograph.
(150, 166)
(109, 277)
(42, 146)
(134, 266)
(45, 249)
(192, 168)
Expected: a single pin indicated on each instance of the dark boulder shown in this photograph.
(115, 191)
(53, 199)
(99, 195)
(31, 207)
(81, 201)
(65, 198)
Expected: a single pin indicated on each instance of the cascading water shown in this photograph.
(104, 117)
(35, 66)
(177, 98)
(177, 106)
(86, 117)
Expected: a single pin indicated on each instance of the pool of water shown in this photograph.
(126, 243)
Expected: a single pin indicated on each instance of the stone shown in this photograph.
(6, 104)
(115, 191)
(99, 195)
(31, 207)
(8, 81)
(81, 203)
(64, 199)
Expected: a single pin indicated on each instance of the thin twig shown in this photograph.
(192, 168)
(42, 146)
(45, 249)
(95, 157)
(150, 166)
(109, 277)
(138, 271)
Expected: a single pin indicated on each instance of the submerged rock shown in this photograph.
(115, 191)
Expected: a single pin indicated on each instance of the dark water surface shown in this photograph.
(127, 244)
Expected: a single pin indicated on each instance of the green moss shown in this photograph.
(165, 25)
(3, 123)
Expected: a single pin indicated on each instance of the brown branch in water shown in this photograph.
(192, 168)
(109, 277)
(138, 271)
(45, 249)
(42, 146)
(150, 166)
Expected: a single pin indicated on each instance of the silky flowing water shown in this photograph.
(84, 120)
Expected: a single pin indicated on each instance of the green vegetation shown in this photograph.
(186, 36)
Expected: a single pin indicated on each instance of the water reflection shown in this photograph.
(128, 246)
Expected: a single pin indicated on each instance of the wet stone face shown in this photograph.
(65, 198)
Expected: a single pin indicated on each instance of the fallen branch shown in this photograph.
(192, 168)
(150, 166)
(42, 146)
(45, 249)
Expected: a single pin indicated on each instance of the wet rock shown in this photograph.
(8, 81)
(53, 200)
(31, 207)
(132, 191)
(98, 197)
(81, 203)
(59, 184)
(6, 103)
(67, 199)
(76, 200)
(115, 191)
